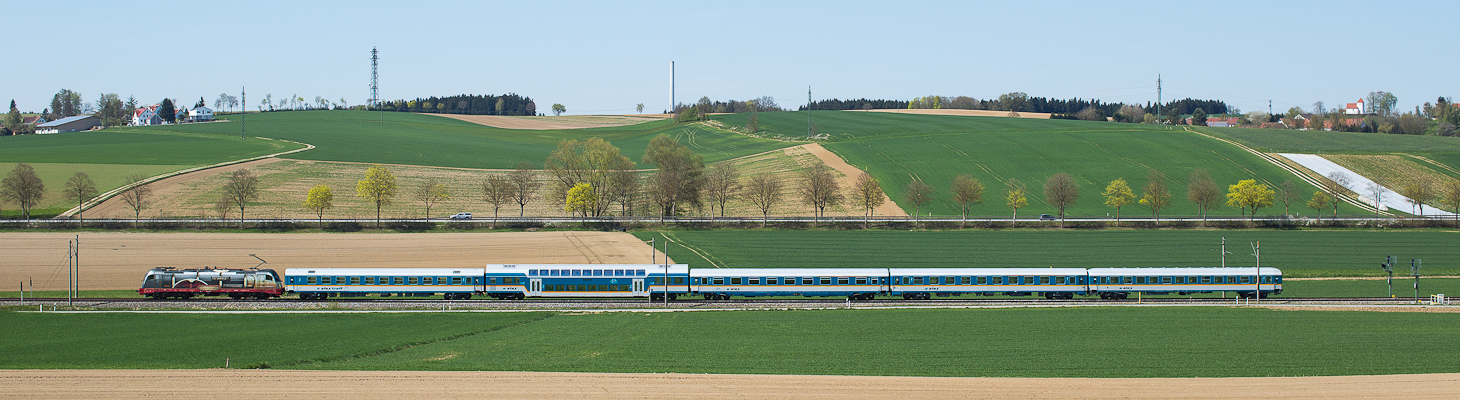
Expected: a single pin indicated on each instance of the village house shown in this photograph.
(146, 116)
(1355, 108)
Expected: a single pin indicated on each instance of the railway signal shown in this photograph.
(1414, 264)
(1388, 266)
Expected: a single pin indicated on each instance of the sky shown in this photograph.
(605, 57)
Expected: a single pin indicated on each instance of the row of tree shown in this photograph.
(1022, 102)
(507, 104)
(24, 187)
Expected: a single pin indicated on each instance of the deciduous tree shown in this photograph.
(242, 188)
(79, 189)
(819, 189)
(967, 190)
(765, 192)
(680, 177)
(721, 184)
(430, 192)
(1118, 194)
(1199, 118)
(867, 194)
(1061, 192)
(1419, 191)
(378, 187)
(23, 187)
(581, 199)
(1202, 191)
(1249, 194)
(1288, 193)
(1450, 196)
(1319, 202)
(593, 161)
(497, 190)
(320, 199)
(1016, 197)
(558, 109)
(639, 108)
(917, 193)
(524, 186)
(138, 196)
(1156, 196)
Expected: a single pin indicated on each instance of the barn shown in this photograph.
(69, 124)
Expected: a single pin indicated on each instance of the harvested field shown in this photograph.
(168, 189)
(1394, 171)
(286, 384)
(966, 113)
(546, 123)
(116, 261)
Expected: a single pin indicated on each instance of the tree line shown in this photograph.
(507, 104)
(1074, 108)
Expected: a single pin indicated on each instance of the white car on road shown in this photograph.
(461, 215)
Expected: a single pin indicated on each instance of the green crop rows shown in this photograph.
(1302, 253)
(1053, 342)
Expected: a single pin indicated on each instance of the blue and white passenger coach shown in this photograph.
(319, 283)
(923, 283)
(1118, 283)
(852, 283)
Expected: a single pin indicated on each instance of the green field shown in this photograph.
(417, 139)
(899, 148)
(106, 177)
(1292, 141)
(136, 146)
(1299, 253)
(1042, 342)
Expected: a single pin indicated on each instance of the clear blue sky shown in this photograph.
(597, 58)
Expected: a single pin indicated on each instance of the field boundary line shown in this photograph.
(114, 192)
(1273, 159)
(691, 249)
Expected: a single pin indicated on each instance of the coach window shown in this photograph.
(1206, 279)
(825, 281)
(843, 280)
(354, 280)
(753, 281)
(597, 272)
(772, 281)
(455, 280)
(1166, 280)
(313, 280)
(917, 280)
(861, 281)
(719, 281)
(734, 281)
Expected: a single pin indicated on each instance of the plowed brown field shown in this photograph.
(284, 384)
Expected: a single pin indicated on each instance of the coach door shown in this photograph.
(638, 287)
(534, 287)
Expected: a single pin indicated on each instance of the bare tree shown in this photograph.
(1061, 192)
(137, 197)
(765, 192)
(721, 184)
(680, 177)
(23, 187)
(524, 186)
(1203, 191)
(497, 191)
(1288, 193)
(242, 188)
(1337, 186)
(625, 187)
(1377, 190)
(867, 194)
(79, 189)
(917, 193)
(967, 190)
(819, 189)
(430, 192)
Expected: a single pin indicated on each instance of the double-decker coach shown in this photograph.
(590, 280)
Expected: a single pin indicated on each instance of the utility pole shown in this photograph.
(375, 84)
(1158, 109)
(672, 103)
(1257, 252)
(1414, 264)
(243, 133)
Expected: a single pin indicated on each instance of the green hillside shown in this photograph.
(897, 148)
(416, 139)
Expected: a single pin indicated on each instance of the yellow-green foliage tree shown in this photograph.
(1118, 194)
(378, 187)
(1249, 194)
(1016, 197)
(320, 198)
(581, 199)
(1320, 202)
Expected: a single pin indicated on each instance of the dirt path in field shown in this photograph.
(116, 207)
(541, 123)
(1363, 278)
(283, 384)
(117, 261)
(966, 113)
(849, 179)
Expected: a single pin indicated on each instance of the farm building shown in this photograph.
(33, 121)
(69, 124)
(200, 114)
(1354, 108)
(146, 116)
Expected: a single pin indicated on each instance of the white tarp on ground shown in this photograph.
(1360, 185)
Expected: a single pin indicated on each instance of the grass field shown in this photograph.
(1077, 342)
(137, 146)
(415, 139)
(1299, 253)
(1292, 141)
(898, 148)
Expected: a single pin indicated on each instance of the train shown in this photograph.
(162, 283)
(658, 281)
